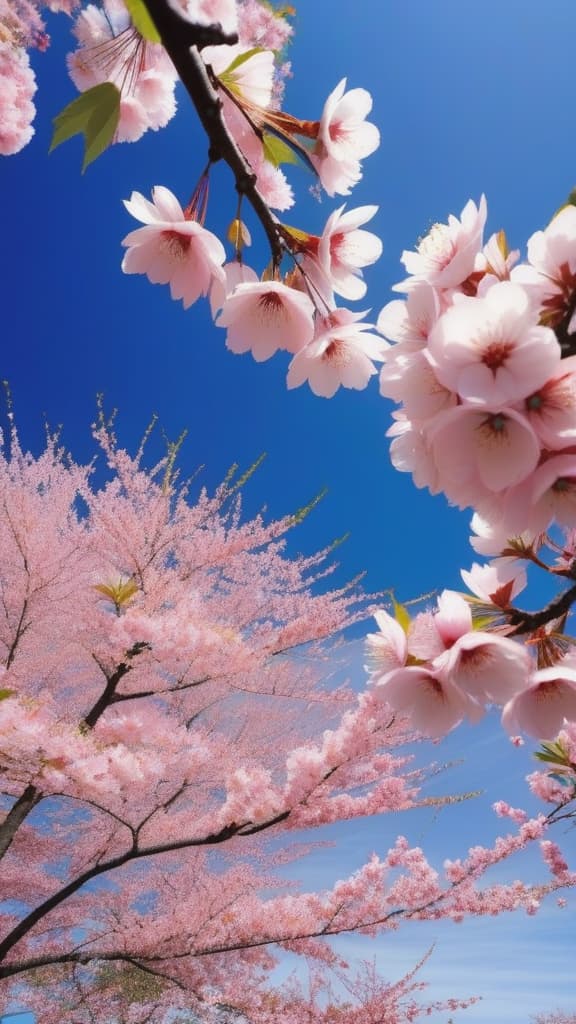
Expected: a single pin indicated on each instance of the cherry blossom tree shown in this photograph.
(558, 1017)
(168, 726)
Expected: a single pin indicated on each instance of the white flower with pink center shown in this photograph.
(434, 705)
(265, 316)
(447, 254)
(410, 378)
(551, 409)
(550, 275)
(541, 708)
(386, 649)
(341, 354)
(344, 138)
(112, 50)
(344, 249)
(549, 495)
(171, 249)
(487, 667)
(344, 132)
(490, 351)
(409, 321)
(410, 452)
(479, 453)
(17, 87)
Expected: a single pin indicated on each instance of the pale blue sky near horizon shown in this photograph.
(469, 99)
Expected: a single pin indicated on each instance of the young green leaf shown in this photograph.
(142, 21)
(276, 151)
(94, 114)
(401, 615)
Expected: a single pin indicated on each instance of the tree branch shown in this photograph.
(527, 622)
(16, 815)
(183, 42)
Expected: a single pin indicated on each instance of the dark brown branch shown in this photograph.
(134, 853)
(527, 622)
(183, 42)
(16, 815)
(108, 695)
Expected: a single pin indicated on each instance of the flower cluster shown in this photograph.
(483, 365)
(439, 668)
(112, 50)
(297, 312)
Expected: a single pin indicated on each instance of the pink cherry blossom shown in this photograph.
(17, 87)
(341, 354)
(111, 50)
(489, 668)
(447, 254)
(409, 321)
(435, 705)
(344, 138)
(386, 649)
(549, 495)
(171, 249)
(551, 409)
(453, 617)
(542, 707)
(409, 377)
(550, 275)
(344, 132)
(479, 452)
(343, 250)
(265, 316)
(489, 350)
(411, 452)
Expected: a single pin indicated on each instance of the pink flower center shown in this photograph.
(337, 352)
(271, 307)
(175, 245)
(562, 485)
(496, 354)
(438, 246)
(337, 131)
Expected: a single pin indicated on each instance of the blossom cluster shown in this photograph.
(331, 346)
(439, 668)
(482, 363)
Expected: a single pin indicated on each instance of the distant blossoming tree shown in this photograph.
(167, 727)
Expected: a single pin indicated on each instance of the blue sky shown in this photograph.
(469, 98)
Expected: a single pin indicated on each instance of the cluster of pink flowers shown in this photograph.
(331, 346)
(112, 50)
(17, 87)
(21, 28)
(479, 364)
(439, 669)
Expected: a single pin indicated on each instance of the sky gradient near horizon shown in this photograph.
(469, 99)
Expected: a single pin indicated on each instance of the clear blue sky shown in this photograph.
(469, 98)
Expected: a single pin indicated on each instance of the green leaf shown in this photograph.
(5, 693)
(142, 21)
(237, 62)
(276, 151)
(401, 615)
(94, 114)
